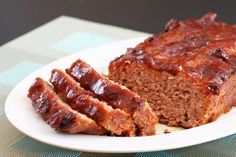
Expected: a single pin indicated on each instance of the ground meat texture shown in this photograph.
(115, 95)
(58, 114)
(186, 73)
(114, 120)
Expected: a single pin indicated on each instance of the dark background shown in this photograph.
(20, 16)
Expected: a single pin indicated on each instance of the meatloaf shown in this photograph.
(58, 114)
(186, 73)
(118, 96)
(114, 120)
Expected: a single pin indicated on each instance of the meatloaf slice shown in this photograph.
(115, 95)
(114, 120)
(186, 73)
(58, 114)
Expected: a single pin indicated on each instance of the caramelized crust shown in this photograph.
(202, 49)
(115, 95)
(114, 120)
(58, 114)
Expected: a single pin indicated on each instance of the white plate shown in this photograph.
(21, 114)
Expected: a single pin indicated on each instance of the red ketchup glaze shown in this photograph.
(75, 96)
(39, 98)
(60, 119)
(45, 103)
(202, 49)
(106, 91)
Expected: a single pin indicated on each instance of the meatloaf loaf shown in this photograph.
(187, 72)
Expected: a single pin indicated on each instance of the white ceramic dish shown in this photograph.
(21, 114)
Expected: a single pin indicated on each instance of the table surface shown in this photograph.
(20, 16)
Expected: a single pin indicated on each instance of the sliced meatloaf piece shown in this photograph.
(115, 95)
(186, 73)
(58, 114)
(114, 120)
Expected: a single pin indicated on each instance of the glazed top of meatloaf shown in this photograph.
(202, 49)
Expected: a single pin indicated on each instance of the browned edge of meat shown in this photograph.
(114, 120)
(187, 73)
(115, 95)
(58, 114)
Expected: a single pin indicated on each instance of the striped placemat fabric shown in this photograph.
(56, 39)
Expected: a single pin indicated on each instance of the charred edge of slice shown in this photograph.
(58, 114)
(114, 120)
(115, 95)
